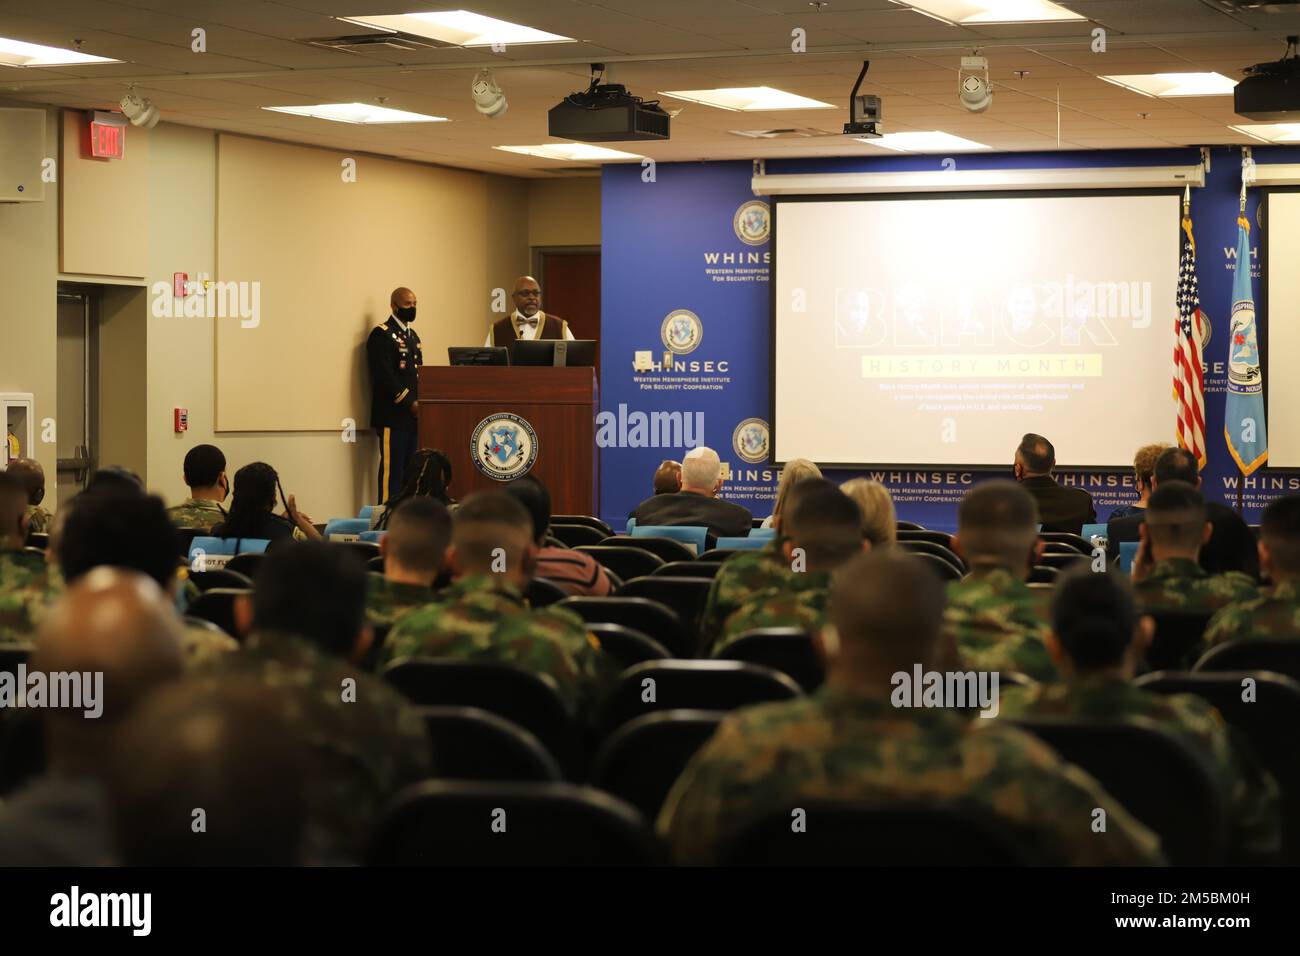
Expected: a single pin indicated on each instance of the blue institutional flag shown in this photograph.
(1243, 420)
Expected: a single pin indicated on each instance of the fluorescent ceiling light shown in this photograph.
(748, 99)
(570, 152)
(934, 141)
(360, 113)
(1271, 132)
(1175, 84)
(460, 27)
(991, 11)
(19, 53)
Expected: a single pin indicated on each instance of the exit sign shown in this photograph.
(107, 135)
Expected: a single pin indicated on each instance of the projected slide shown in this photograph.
(940, 330)
(1281, 383)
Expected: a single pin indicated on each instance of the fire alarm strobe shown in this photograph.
(182, 419)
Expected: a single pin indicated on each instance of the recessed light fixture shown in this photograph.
(363, 114)
(748, 99)
(1271, 132)
(933, 141)
(461, 28)
(1175, 84)
(21, 53)
(991, 11)
(570, 152)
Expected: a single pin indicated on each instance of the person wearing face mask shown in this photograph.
(393, 353)
(527, 321)
(205, 473)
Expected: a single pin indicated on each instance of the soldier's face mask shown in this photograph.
(406, 314)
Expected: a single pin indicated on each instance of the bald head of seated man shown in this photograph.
(32, 475)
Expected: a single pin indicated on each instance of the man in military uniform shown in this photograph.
(205, 474)
(393, 353)
(1166, 574)
(415, 552)
(848, 741)
(1275, 612)
(1097, 640)
(527, 321)
(822, 531)
(33, 476)
(25, 585)
(483, 614)
(306, 634)
(995, 620)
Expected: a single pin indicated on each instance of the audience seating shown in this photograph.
(246, 563)
(640, 761)
(218, 606)
(1154, 775)
(365, 550)
(685, 595)
(936, 537)
(655, 620)
(543, 593)
(942, 567)
(1177, 639)
(1061, 561)
(740, 544)
(938, 550)
(345, 529)
(191, 621)
(719, 554)
(788, 650)
(756, 522)
(583, 519)
(626, 562)
(372, 537)
(28, 549)
(376, 565)
(207, 553)
(865, 834)
(1280, 655)
(1043, 574)
(689, 569)
(38, 540)
(368, 512)
(511, 824)
(1091, 530)
(908, 526)
(1127, 555)
(219, 578)
(694, 685)
(1065, 537)
(1268, 724)
(627, 645)
(575, 534)
(184, 538)
(695, 539)
(474, 744)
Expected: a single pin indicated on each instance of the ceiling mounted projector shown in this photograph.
(488, 98)
(974, 90)
(607, 113)
(864, 110)
(139, 111)
(1271, 91)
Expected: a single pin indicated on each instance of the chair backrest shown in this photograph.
(626, 562)
(640, 761)
(1062, 561)
(1280, 655)
(718, 554)
(38, 540)
(785, 649)
(365, 550)
(937, 537)
(1127, 554)
(938, 550)
(219, 578)
(1043, 574)
(376, 564)
(908, 526)
(367, 512)
(689, 569)
(685, 595)
(655, 620)
(184, 538)
(470, 743)
(1157, 777)
(631, 523)
(524, 697)
(346, 529)
(694, 538)
(218, 606)
(208, 553)
(575, 534)
(693, 685)
(767, 533)
(246, 563)
(466, 823)
(1091, 531)
(205, 625)
(543, 593)
(1177, 640)
(725, 543)
(588, 520)
(372, 537)
(944, 568)
(854, 833)
(627, 645)
(1078, 542)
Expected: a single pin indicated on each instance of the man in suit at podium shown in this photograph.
(527, 321)
(393, 353)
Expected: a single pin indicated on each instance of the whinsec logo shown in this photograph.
(752, 222)
(682, 331)
(750, 440)
(504, 446)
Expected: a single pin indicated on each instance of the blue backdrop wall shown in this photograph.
(685, 341)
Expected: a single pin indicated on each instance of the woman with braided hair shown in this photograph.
(428, 474)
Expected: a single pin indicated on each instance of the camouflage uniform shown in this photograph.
(26, 589)
(1180, 584)
(839, 745)
(386, 600)
(1250, 793)
(482, 617)
(197, 514)
(800, 603)
(998, 624)
(38, 520)
(365, 747)
(1274, 613)
(738, 578)
(203, 647)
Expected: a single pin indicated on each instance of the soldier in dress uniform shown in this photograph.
(393, 353)
(527, 321)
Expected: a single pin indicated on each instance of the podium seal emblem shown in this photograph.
(504, 446)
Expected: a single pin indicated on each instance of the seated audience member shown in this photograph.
(820, 531)
(428, 473)
(222, 746)
(306, 633)
(115, 478)
(994, 619)
(697, 504)
(26, 586)
(668, 477)
(575, 571)
(205, 474)
(121, 529)
(118, 626)
(483, 615)
(1098, 640)
(879, 520)
(1275, 612)
(849, 741)
(1144, 466)
(795, 471)
(252, 509)
(1232, 545)
(1059, 508)
(33, 477)
(1165, 571)
(415, 552)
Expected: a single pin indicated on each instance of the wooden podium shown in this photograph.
(556, 405)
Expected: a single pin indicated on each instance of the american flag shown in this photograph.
(1189, 329)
